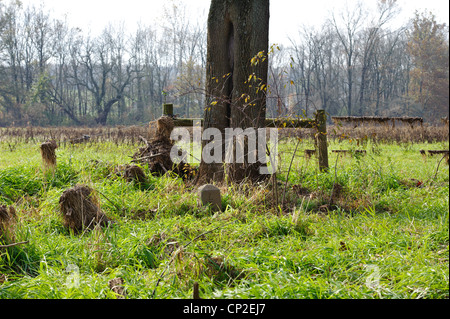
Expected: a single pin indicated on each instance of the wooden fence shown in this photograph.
(319, 123)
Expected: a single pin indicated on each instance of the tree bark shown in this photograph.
(237, 31)
(104, 112)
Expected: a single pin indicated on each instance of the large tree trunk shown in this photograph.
(103, 113)
(237, 31)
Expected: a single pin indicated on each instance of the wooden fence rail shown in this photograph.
(319, 123)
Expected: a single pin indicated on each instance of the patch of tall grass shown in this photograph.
(364, 229)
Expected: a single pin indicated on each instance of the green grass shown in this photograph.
(379, 237)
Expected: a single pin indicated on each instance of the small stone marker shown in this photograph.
(210, 194)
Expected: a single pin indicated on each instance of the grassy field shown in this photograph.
(374, 226)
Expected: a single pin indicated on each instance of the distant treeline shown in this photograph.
(355, 65)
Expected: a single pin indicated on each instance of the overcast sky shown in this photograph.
(286, 16)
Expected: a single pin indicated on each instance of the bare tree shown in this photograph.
(106, 78)
(355, 64)
(352, 21)
(11, 88)
(369, 40)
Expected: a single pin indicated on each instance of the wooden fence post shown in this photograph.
(168, 110)
(321, 140)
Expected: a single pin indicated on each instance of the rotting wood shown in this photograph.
(156, 154)
(321, 136)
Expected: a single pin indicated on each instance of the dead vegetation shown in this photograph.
(371, 120)
(216, 268)
(117, 286)
(131, 135)
(162, 243)
(387, 134)
(48, 152)
(134, 173)
(67, 136)
(156, 154)
(8, 220)
(81, 210)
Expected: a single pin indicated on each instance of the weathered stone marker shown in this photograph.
(210, 195)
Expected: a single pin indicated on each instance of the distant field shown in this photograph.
(374, 226)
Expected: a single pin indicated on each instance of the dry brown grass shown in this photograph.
(8, 219)
(387, 134)
(63, 136)
(48, 154)
(378, 133)
(134, 173)
(80, 209)
(371, 120)
(117, 286)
